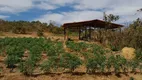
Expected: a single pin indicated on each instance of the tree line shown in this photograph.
(24, 27)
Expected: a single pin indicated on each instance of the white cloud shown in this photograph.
(84, 9)
(15, 6)
(75, 16)
(48, 6)
(52, 4)
(126, 9)
(91, 4)
(3, 17)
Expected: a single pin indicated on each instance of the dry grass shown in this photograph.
(128, 53)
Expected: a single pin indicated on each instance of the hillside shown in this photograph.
(41, 58)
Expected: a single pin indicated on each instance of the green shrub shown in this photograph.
(55, 49)
(15, 50)
(91, 65)
(51, 64)
(11, 60)
(14, 55)
(139, 55)
(35, 52)
(27, 67)
(40, 33)
(134, 65)
(98, 50)
(78, 47)
(70, 61)
(98, 63)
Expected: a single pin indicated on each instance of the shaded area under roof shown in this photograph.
(92, 23)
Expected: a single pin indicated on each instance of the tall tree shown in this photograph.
(110, 18)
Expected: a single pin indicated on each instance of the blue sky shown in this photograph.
(63, 11)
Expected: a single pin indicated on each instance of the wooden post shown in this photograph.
(85, 32)
(65, 34)
(120, 30)
(90, 32)
(79, 33)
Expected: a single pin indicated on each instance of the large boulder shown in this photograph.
(128, 53)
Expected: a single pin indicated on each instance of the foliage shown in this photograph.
(96, 59)
(98, 50)
(70, 61)
(27, 67)
(54, 49)
(35, 52)
(110, 18)
(14, 55)
(134, 64)
(51, 64)
(23, 27)
(96, 63)
(78, 47)
(39, 33)
(138, 55)
(130, 37)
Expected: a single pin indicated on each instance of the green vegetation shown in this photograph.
(70, 61)
(78, 47)
(95, 57)
(24, 27)
(14, 55)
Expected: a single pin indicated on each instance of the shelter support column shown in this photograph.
(120, 30)
(85, 32)
(90, 32)
(79, 33)
(65, 34)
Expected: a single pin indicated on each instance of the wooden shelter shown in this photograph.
(87, 26)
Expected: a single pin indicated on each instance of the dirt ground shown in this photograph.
(6, 75)
(34, 35)
(19, 76)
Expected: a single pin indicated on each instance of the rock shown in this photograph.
(128, 53)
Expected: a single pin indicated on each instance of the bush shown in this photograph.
(51, 64)
(96, 63)
(98, 50)
(27, 67)
(54, 49)
(139, 55)
(14, 55)
(70, 61)
(35, 52)
(40, 33)
(11, 60)
(78, 47)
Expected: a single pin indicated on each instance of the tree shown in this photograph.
(110, 18)
(110, 35)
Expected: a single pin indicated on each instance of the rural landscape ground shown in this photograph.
(78, 74)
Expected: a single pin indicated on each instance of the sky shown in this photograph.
(64, 11)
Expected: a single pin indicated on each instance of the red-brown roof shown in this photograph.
(93, 23)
